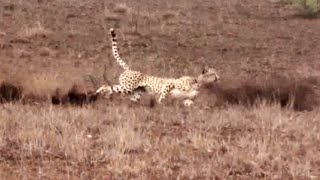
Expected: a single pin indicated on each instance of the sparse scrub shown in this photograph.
(34, 31)
(45, 51)
(308, 8)
(9, 92)
(110, 15)
(40, 85)
(121, 8)
(296, 94)
(21, 53)
(2, 33)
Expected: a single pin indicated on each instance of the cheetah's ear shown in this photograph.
(205, 69)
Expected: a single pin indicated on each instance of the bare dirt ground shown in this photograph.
(261, 122)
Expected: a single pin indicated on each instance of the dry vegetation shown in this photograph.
(307, 8)
(261, 122)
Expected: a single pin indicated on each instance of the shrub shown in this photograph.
(308, 8)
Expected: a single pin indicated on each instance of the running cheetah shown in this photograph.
(185, 87)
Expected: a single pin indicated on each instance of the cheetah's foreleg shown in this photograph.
(166, 90)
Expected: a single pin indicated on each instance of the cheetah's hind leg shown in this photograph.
(109, 90)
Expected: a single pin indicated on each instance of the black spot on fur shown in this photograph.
(113, 34)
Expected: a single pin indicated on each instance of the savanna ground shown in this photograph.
(261, 121)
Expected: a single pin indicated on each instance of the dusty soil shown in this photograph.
(54, 54)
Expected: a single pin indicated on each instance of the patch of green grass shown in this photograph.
(308, 8)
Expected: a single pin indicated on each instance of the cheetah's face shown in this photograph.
(209, 75)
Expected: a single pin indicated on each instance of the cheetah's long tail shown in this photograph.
(115, 51)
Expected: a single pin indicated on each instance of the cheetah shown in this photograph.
(185, 87)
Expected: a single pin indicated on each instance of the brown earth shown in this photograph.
(260, 121)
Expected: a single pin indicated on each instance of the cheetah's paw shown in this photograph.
(188, 102)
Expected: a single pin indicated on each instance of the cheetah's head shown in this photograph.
(208, 75)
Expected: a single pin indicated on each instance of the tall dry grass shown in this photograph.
(265, 141)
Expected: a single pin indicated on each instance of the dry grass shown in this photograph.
(42, 84)
(307, 8)
(299, 95)
(167, 142)
(36, 30)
